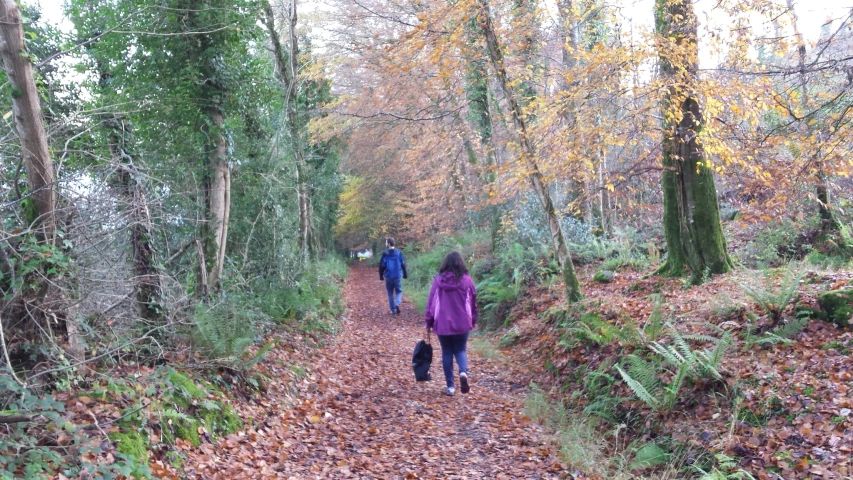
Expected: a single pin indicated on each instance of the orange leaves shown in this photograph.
(361, 414)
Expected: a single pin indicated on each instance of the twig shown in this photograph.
(7, 419)
(94, 419)
(6, 354)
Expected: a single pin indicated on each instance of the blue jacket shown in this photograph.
(393, 265)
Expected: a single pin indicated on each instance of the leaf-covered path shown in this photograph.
(360, 414)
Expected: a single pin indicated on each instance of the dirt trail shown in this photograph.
(360, 413)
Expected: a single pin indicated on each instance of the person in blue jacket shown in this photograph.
(392, 269)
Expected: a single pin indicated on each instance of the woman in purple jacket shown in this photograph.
(451, 311)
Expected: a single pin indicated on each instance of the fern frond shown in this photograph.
(639, 389)
(672, 389)
(792, 328)
(669, 354)
(654, 324)
(698, 337)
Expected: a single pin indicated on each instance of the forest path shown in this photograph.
(360, 413)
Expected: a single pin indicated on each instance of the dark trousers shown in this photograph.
(395, 292)
(453, 346)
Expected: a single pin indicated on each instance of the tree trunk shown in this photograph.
(28, 118)
(149, 295)
(528, 156)
(480, 118)
(828, 222)
(286, 70)
(576, 196)
(34, 150)
(220, 195)
(694, 233)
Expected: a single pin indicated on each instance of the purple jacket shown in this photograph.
(451, 308)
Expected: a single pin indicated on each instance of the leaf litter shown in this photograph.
(359, 413)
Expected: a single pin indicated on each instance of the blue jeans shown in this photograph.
(394, 285)
(453, 346)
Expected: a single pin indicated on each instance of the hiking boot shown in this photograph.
(449, 391)
(463, 382)
(397, 311)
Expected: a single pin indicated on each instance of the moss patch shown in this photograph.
(132, 443)
(838, 305)
(222, 421)
(604, 276)
(187, 429)
(183, 383)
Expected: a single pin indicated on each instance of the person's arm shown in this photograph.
(382, 267)
(403, 265)
(475, 312)
(429, 314)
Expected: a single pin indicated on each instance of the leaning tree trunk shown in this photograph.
(30, 127)
(694, 233)
(28, 119)
(480, 119)
(528, 155)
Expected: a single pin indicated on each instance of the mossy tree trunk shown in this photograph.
(694, 233)
(528, 157)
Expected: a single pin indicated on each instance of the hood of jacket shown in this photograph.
(448, 281)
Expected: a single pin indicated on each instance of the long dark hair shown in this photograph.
(453, 263)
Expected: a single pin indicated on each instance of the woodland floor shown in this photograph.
(356, 411)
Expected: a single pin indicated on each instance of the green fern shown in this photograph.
(640, 390)
(700, 364)
(782, 334)
(773, 301)
(597, 387)
(792, 328)
(223, 332)
(654, 324)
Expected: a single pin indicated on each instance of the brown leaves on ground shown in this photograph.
(786, 411)
(360, 414)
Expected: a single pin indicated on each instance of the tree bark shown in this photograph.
(286, 70)
(694, 233)
(219, 206)
(149, 293)
(828, 222)
(28, 118)
(528, 156)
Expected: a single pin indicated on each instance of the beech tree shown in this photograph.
(694, 234)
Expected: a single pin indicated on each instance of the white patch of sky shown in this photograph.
(636, 16)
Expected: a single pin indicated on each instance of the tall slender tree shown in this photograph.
(527, 152)
(286, 60)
